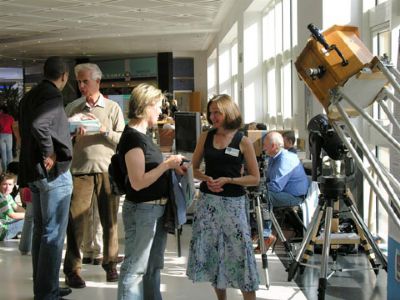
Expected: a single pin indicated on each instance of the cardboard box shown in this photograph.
(257, 137)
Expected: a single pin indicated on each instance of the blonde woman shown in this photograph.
(147, 192)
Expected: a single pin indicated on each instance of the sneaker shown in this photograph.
(87, 261)
(111, 273)
(75, 281)
(268, 242)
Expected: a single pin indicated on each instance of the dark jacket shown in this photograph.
(175, 211)
(44, 130)
(181, 196)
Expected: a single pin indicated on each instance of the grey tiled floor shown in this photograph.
(16, 278)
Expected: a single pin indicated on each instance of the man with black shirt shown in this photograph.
(45, 159)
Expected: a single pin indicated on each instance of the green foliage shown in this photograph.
(10, 97)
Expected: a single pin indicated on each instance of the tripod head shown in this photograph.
(323, 137)
(333, 187)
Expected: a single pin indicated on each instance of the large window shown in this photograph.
(212, 74)
(252, 91)
(277, 63)
(377, 217)
(228, 64)
(228, 69)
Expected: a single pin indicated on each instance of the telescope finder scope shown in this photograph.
(316, 33)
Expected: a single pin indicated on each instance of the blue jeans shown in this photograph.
(13, 228)
(6, 150)
(51, 200)
(280, 199)
(25, 244)
(145, 241)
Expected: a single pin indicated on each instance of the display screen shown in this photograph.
(187, 131)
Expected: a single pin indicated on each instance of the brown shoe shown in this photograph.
(87, 260)
(75, 281)
(112, 273)
(268, 242)
(118, 260)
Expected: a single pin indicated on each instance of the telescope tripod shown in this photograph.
(325, 205)
(263, 212)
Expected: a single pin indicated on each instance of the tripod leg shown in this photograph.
(281, 236)
(260, 227)
(366, 238)
(325, 251)
(300, 221)
(308, 241)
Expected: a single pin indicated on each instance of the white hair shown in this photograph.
(95, 70)
(276, 138)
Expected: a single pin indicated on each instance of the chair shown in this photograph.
(310, 202)
(300, 216)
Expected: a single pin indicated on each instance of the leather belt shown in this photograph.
(161, 201)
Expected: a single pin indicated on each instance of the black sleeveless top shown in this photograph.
(223, 163)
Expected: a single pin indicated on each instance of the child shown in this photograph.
(25, 243)
(11, 214)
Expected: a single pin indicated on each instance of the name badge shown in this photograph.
(232, 151)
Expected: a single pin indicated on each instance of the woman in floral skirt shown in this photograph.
(221, 250)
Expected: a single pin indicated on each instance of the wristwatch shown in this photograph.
(106, 133)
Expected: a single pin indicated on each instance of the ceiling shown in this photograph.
(32, 30)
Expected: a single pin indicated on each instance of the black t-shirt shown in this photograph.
(131, 138)
(223, 163)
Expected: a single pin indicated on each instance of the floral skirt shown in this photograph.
(221, 250)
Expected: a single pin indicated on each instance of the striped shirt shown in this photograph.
(7, 206)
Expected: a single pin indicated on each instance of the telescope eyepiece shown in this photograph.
(315, 73)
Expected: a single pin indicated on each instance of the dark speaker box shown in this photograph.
(165, 71)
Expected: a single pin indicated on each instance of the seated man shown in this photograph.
(288, 141)
(286, 181)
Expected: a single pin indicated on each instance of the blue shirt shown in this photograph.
(285, 173)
